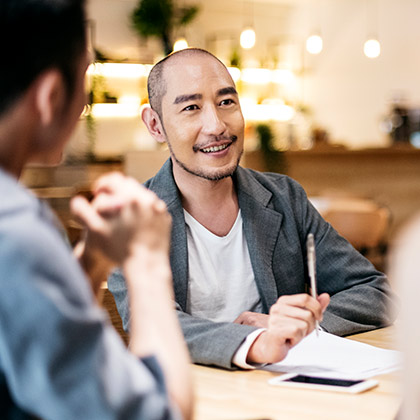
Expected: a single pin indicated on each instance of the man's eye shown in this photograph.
(190, 108)
(227, 102)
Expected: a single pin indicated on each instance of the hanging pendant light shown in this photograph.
(247, 39)
(314, 44)
(371, 47)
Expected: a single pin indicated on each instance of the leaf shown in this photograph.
(187, 15)
(153, 17)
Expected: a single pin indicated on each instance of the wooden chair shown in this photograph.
(108, 303)
(364, 226)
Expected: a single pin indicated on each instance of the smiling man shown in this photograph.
(238, 251)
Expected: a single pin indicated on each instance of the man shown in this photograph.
(238, 251)
(60, 358)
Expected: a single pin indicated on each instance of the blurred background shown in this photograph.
(330, 92)
(339, 89)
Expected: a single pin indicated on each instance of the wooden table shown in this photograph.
(246, 395)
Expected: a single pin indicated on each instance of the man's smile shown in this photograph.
(215, 146)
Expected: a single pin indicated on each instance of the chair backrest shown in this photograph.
(363, 226)
(109, 305)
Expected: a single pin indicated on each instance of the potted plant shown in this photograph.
(160, 18)
(274, 160)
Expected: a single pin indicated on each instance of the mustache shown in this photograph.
(232, 138)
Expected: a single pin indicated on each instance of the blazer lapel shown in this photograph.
(261, 226)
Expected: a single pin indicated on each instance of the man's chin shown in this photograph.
(210, 174)
(217, 176)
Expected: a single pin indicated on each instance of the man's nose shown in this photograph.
(212, 123)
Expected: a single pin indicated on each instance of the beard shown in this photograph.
(214, 175)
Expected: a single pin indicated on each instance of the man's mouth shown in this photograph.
(218, 147)
(215, 148)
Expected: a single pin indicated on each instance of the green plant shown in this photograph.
(160, 18)
(273, 159)
(235, 58)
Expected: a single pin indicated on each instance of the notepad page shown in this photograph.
(336, 357)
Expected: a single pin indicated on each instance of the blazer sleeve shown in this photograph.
(361, 296)
(209, 343)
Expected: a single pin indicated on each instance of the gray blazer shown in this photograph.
(277, 217)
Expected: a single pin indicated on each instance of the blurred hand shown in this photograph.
(123, 218)
(291, 319)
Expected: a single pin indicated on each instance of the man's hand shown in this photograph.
(291, 318)
(253, 318)
(123, 218)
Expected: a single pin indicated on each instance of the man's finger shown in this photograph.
(110, 183)
(85, 213)
(108, 205)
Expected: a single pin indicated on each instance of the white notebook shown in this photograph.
(337, 357)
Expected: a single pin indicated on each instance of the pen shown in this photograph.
(310, 246)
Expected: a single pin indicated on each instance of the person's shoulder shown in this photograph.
(27, 231)
(34, 255)
(276, 183)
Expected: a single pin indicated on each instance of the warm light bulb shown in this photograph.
(247, 39)
(180, 44)
(372, 48)
(235, 73)
(314, 44)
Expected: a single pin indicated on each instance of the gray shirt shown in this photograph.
(60, 357)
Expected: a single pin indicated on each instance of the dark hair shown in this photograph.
(36, 35)
(156, 83)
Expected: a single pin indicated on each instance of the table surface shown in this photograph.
(246, 395)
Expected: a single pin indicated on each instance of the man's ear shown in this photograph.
(152, 121)
(49, 95)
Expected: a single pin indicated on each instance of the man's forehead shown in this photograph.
(187, 75)
(192, 58)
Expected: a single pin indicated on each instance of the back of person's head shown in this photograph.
(36, 35)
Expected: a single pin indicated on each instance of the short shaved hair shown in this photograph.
(156, 83)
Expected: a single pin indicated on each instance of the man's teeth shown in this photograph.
(214, 149)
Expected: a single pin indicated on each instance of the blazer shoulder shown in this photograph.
(280, 185)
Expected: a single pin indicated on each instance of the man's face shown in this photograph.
(202, 117)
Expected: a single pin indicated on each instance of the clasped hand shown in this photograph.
(123, 218)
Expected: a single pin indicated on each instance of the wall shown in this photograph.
(351, 93)
(348, 93)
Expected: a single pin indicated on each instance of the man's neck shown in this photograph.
(214, 204)
(16, 133)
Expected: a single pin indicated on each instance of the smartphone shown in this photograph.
(326, 384)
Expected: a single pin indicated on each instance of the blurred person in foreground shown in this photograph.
(238, 251)
(60, 357)
(405, 276)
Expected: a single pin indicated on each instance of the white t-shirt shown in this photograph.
(221, 280)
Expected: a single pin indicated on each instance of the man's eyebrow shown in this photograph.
(226, 91)
(185, 98)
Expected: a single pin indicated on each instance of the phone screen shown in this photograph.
(322, 381)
